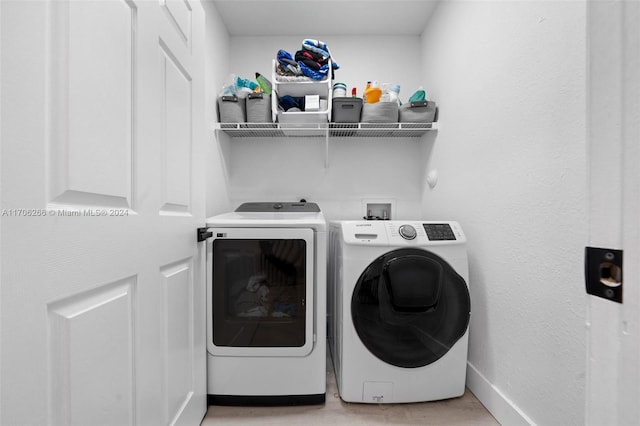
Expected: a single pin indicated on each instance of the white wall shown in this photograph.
(509, 78)
(290, 169)
(217, 62)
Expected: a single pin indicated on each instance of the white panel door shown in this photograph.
(102, 314)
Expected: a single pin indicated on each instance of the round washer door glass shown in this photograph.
(409, 307)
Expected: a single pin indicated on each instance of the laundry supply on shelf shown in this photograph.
(418, 109)
(364, 93)
(387, 92)
(238, 86)
(373, 94)
(339, 90)
(390, 92)
(394, 94)
(418, 95)
(312, 103)
(243, 83)
(264, 83)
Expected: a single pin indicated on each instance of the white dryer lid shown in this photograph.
(272, 215)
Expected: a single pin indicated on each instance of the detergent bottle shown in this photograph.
(264, 83)
(364, 93)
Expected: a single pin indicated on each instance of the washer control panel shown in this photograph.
(402, 233)
(439, 231)
(407, 232)
(415, 232)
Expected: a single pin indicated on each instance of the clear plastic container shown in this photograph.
(339, 90)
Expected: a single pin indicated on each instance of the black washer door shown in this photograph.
(409, 307)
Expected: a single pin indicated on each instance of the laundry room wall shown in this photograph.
(510, 78)
(293, 168)
(217, 62)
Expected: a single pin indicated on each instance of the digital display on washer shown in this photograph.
(438, 231)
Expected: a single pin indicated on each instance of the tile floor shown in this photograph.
(466, 410)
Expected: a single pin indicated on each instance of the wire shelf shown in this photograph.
(348, 130)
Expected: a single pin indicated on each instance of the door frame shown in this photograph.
(613, 153)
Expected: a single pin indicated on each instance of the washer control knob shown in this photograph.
(407, 232)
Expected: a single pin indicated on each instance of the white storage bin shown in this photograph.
(301, 123)
(300, 87)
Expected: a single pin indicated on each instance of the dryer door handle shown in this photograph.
(202, 234)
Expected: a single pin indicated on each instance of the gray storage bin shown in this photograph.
(380, 112)
(346, 110)
(418, 112)
(259, 108)
(231, 109)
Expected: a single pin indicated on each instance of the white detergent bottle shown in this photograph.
(385, 97)
(394, 93)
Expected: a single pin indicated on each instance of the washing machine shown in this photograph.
(399, 310)
(266, 305)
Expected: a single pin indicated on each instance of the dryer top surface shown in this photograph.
(254, 216)
(278, 207)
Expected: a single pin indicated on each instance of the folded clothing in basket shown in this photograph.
(320, 48)
(290, 103)
(302, 65)
(286, 64)
(312, 61)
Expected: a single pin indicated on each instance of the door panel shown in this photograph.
(176, 115)
(83, 328)
(177, 285)
(102, 303)
(179, 13)
(90, 133)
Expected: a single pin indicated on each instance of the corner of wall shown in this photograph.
(216, 63)
(498, 404)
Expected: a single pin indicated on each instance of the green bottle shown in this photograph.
(264, 84)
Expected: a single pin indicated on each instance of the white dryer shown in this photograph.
(399, 310)
(266, 305)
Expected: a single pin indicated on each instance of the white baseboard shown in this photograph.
(500, 407)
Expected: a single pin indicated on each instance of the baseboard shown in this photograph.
(500, 407)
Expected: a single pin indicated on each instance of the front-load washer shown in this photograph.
(399, 310)
(266, 305)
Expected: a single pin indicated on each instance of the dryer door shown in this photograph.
(409, 307)
(260, 298)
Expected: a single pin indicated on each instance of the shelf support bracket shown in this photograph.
(326, 148)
